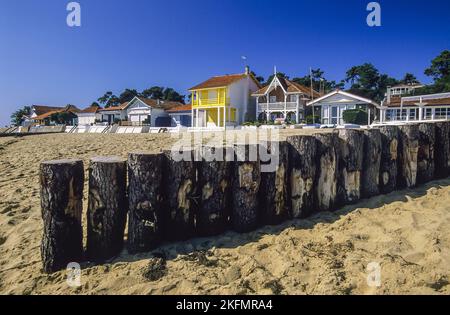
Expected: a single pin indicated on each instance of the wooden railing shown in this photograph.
(202, 102)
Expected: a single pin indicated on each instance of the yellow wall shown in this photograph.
(203, 98)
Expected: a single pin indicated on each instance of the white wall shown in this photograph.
(240, 97)
(87, 118)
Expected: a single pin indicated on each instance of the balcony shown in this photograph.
(211, 102)
(278, 106)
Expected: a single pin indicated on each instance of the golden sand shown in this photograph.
(407, 233)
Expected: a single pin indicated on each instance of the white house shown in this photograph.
(416, 108)
(333, 105)
(181, 116)
(113, 114)
(140, 111)
(224, 100)
(284, 98)
(89, 115)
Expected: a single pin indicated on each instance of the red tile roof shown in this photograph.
(112, 108)
(222, 81)
(42, 109)
(90, 109)
(182, 108)
(69, 108)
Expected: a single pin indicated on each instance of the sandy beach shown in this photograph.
(406, 232)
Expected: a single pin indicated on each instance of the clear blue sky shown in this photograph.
(140, 43)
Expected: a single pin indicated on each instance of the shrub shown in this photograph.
(355, 116)
(309, 119)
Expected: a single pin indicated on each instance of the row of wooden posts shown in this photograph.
(168, 200)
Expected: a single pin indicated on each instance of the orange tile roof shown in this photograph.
(112, 108)
(41, 109)
(182, 108)
(90, 109)
(219, 81)
(69, 108)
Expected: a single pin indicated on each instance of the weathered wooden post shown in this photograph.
(327, 171)
(145, 219)
(274, 197)
(61, 205)
(351, 154)
(107, 207)
(180, 194)
(389, 154)
(408, 153)
(371, 163)
(442, 150)
(425, 157)
(215, 187)
(245, 188)
(302, 174)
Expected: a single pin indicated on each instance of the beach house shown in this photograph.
(333, 105)
(283, 98)
(89, 115)
(224, 100)
(48, 115)
(140, 111)
(429, 107)
(180, 116)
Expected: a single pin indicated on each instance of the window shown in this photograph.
(390, 114)
(273, 99)
(413, 113)
(293, 98)
(428, 113)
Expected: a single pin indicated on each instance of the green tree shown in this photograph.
(155, 92)
(170, 94)
(18, 116)
(258, 78)
(127, 95)
(440, 66)
(320, 83)
(109, 100)
(409, 78)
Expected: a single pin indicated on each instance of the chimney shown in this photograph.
(247, 70)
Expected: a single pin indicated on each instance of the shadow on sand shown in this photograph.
(198, 248)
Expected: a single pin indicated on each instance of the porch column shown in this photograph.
(224, 116)
(433, 114)
(257, 108)
(297, 109)
(285, 107)
(196, 118)
(218, 116)
(267, 108)
(368, 117)
(192, 117)
(381, 115)
(420, 113)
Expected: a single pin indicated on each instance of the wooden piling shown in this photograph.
(145, 219)
(442, 150)
(181, 195)
(107, 207)
(245, 188)
(351, 154)
(274, 196)
(302, 175)
(215, 191)
(371, 163)
(327, 171)
(389, 157)
(61, 185)
(408, 153)
(425, 157)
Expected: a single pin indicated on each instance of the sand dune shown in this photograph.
(407, 233)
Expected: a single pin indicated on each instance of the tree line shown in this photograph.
(364, 80)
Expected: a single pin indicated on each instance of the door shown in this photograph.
(334, 115)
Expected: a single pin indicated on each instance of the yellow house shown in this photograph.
(224, 100)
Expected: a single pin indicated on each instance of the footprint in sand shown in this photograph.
(2, 240)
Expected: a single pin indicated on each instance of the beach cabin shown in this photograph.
(46, 115)
(431, 107)
(113, 114)
(181, 116)
(144, 111)
(224, 100)
(284, 99)
(333, 105)
(89, 115)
